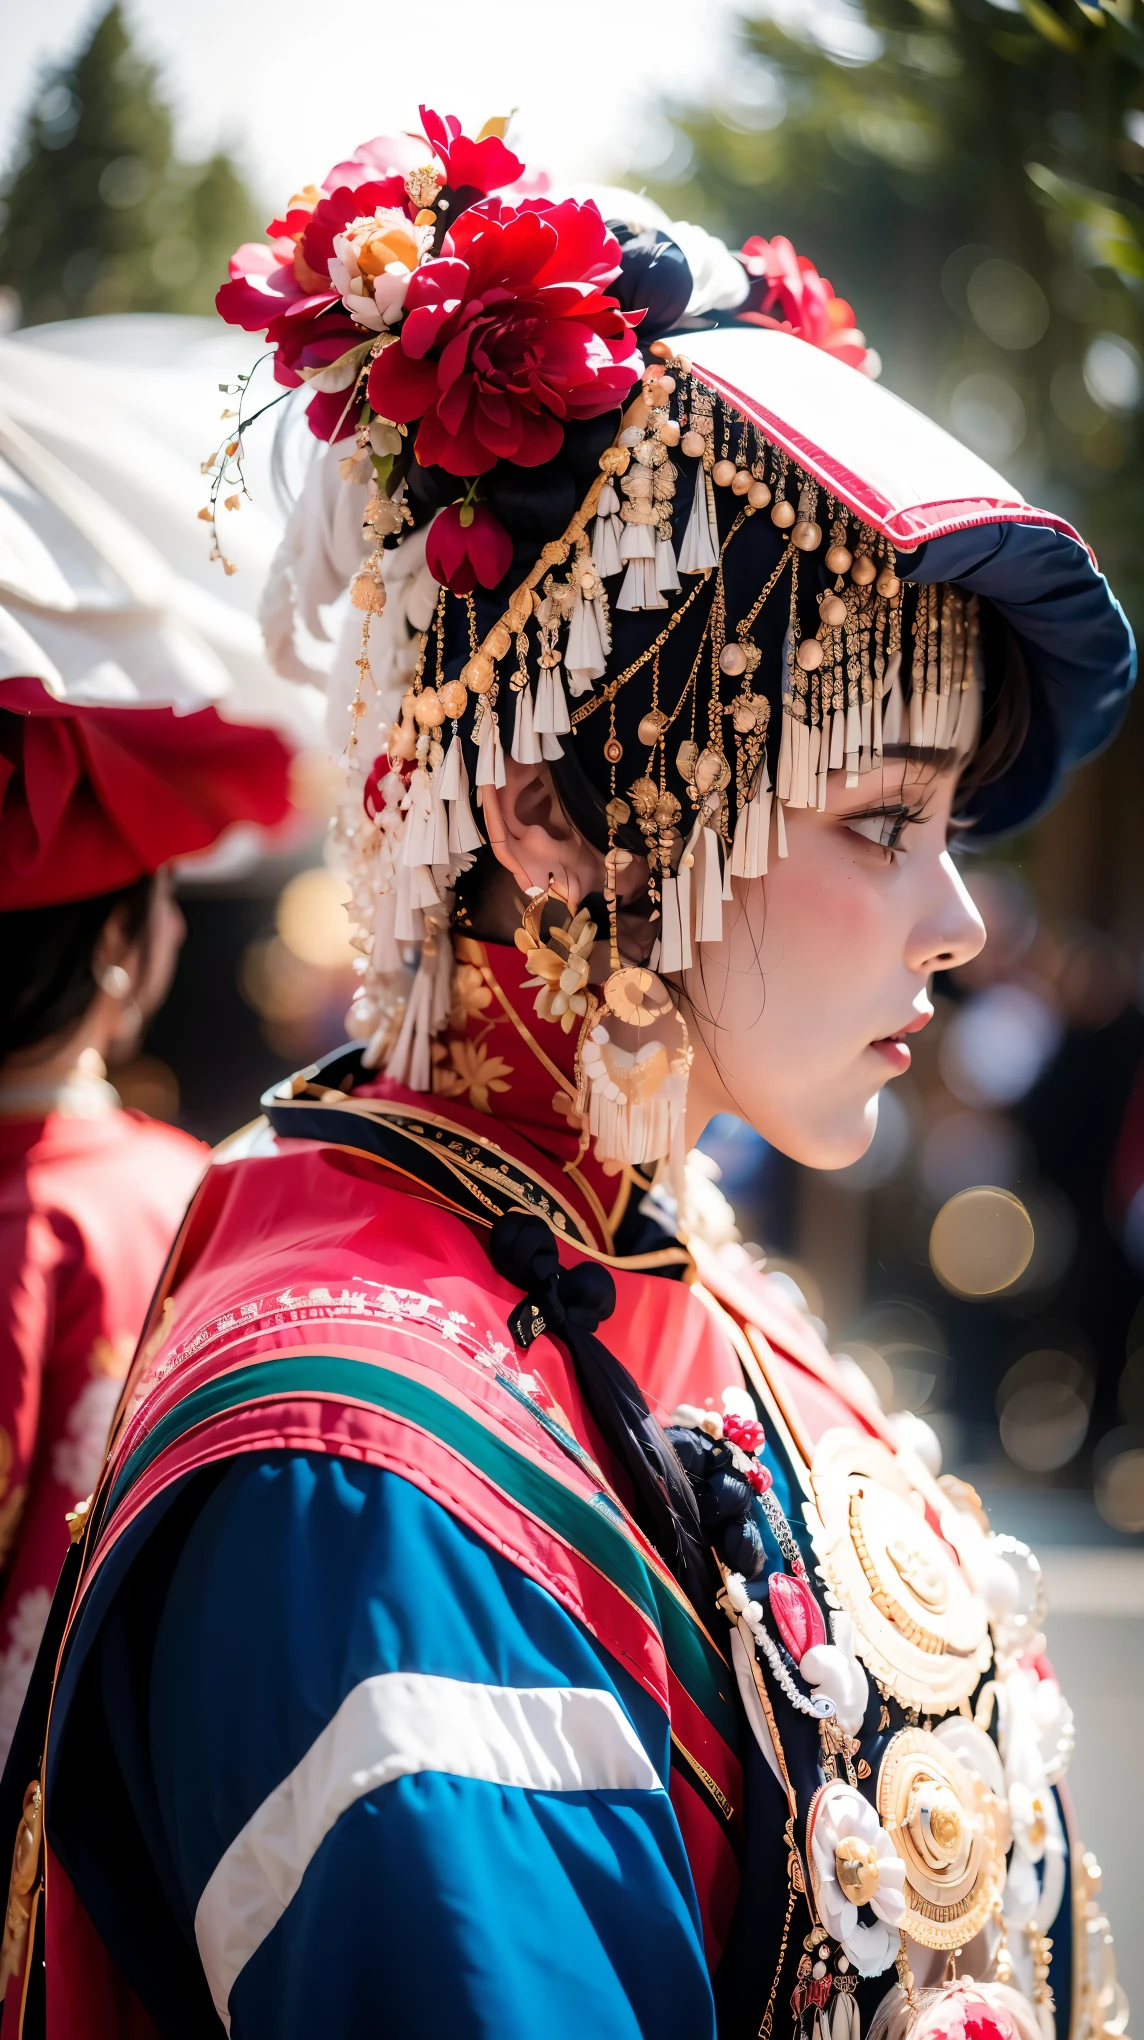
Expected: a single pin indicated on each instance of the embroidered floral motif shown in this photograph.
(474, 1074)
(78, 1455)
(25, 1628)
(471, 996)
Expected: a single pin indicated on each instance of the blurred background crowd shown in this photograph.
(970, 174)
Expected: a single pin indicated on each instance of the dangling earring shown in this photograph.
(558, 959)
(114, 980)
(637, 1097)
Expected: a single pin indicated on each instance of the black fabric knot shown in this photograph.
(556, 1299)
(723, 1498)
(570, 1303)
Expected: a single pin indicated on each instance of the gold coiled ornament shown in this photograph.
(919, 1626)
(944, 1823)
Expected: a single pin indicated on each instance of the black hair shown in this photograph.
(49, 955)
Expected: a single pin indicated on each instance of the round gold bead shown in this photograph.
(454, 698)
(856, 1868)
(807, 535)
(741, 481)
(758, 495)
(668, 429)
(888, 583)
(732, 661)
(809, 655)
(832, 610)
(427, 709)
(839, 559)
(479, 673)
(863, 571)
(692, 444)
(712, 772)
(723, 473)
(402, 743)
(784, 515)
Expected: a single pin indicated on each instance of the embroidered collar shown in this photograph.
(502, 1121)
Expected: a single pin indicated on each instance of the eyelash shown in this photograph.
(893, 821)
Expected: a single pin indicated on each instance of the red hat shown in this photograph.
(94, 798)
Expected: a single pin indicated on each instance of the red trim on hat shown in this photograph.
(94, 798)
(905, 528)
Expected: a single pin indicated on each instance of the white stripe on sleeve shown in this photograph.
(548, 1738)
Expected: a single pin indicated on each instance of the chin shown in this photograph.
(836, 1139)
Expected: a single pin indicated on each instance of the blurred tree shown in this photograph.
(99, 213)
(968, 173)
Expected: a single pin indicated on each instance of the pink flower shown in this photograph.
(465, 544)
(477, 166)
(505, 335)
(789, 285)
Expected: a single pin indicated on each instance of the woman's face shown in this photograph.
(799, 1016)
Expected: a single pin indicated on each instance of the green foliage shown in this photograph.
(100, 215)
(970, 177)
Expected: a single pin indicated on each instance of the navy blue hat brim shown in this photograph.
(1078, 647)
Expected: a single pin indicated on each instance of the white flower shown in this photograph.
(25, 1628)
(852, 1853)
(735, 1593)
(78, 1455)
(834, 1671)
(372, 263)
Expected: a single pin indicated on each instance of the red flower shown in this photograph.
(789, 284)
(482, 166)
(505, 335)
(459, 553)
(744, 1432)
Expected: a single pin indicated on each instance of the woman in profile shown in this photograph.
(95, 804)
(498, 1614)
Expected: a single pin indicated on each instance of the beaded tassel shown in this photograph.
(607, 532)
(699, 552)
(464, 835)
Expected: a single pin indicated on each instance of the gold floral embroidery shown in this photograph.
(473, 1075)
(471, 996)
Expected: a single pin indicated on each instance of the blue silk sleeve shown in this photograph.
(402, 1789)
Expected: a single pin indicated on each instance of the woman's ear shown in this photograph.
(531, 836)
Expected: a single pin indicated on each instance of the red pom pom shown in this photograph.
(744, 1432)
(798, 1617)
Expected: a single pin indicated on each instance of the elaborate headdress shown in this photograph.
(616, 499)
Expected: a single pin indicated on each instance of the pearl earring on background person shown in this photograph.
(114, 980)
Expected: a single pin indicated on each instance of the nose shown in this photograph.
(949, 931)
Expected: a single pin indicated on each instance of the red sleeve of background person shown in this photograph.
(88, 1212)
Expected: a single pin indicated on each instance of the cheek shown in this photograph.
(823, 948)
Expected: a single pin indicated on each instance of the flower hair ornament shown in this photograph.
(569, 475)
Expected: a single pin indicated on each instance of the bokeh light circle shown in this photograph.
(981, 1241)
(1120, 1490)
(312, 921)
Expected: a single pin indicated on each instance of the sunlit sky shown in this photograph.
(289, 86)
